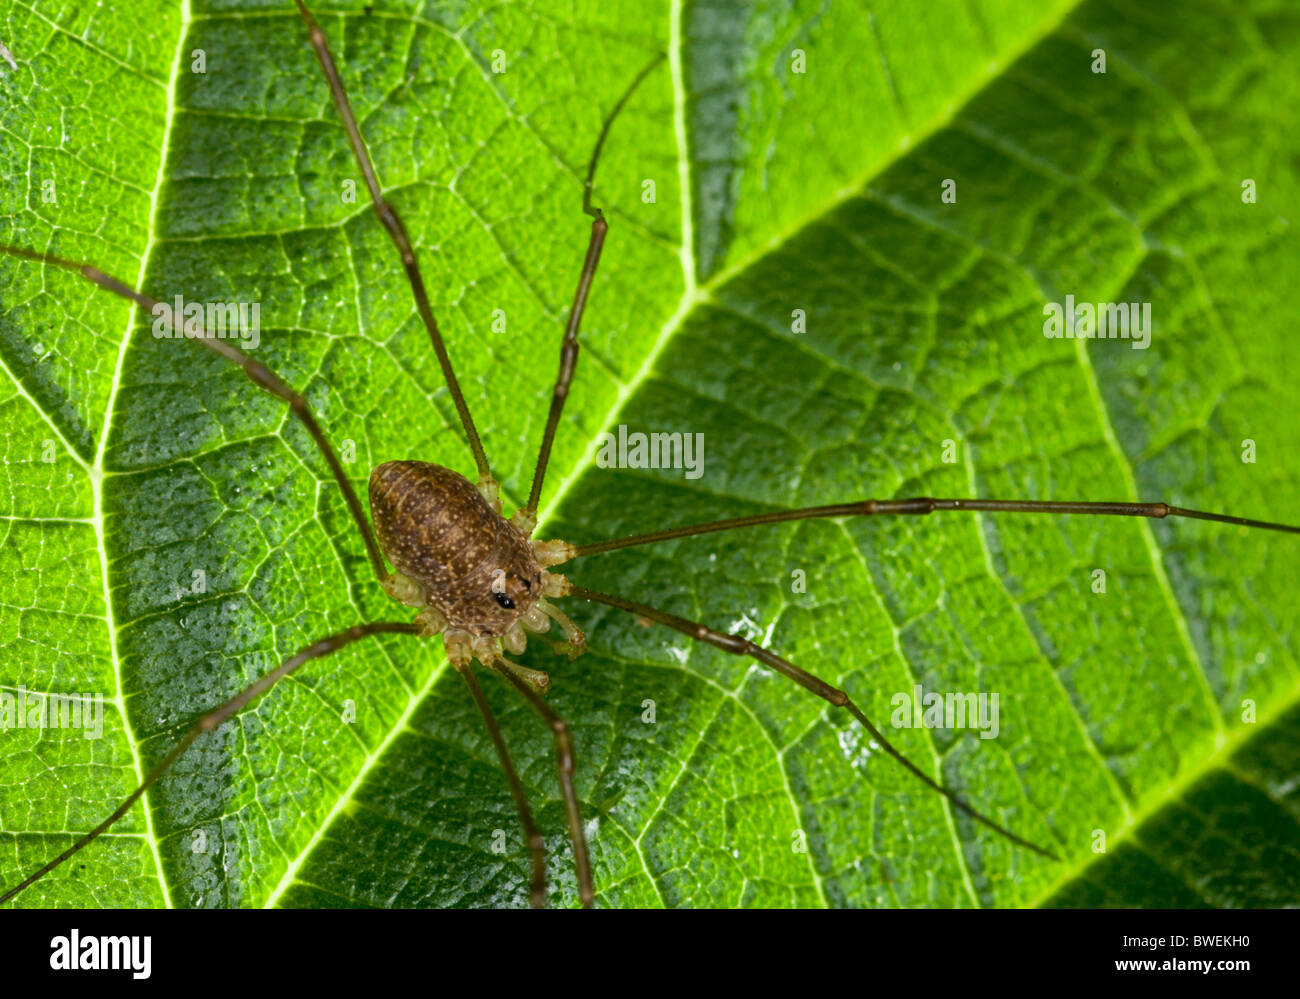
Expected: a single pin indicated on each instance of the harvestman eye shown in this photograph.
(426, 521)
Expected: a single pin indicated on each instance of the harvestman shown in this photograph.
(478, 579)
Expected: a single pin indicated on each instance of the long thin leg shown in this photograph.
(565, 762)
(569, 347)
(740, 646)
(536, 845)
(389, 217)
(214, 719)
(923, 505)
(258, 373)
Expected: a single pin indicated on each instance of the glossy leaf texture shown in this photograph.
(783, 278)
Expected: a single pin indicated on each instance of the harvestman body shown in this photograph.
(479, 579)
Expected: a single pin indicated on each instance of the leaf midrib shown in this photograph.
(1218, 759)
(96, 469)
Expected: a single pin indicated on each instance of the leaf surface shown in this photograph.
(186, 536)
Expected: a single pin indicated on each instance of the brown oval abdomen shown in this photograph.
(436, 529)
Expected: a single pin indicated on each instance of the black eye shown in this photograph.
(504, 600)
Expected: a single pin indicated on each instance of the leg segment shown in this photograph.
(397, 231)
(737, 645)
(213, 720)
(258, 373)
(565, 762)
(924, 505)
(536, 845)
(526, 518)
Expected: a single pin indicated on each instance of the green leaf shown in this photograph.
(1159, 717)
